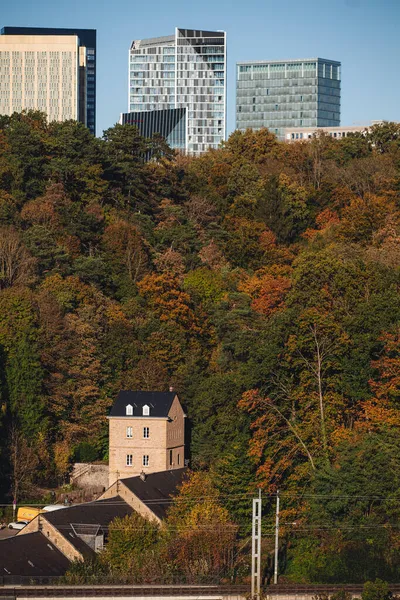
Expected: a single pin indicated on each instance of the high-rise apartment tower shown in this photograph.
(280, 94)
(52, 70)
(184, 70)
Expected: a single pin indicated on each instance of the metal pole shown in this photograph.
(256, 548)
(276, 539)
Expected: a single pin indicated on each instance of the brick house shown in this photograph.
(147, 434)
(79, 532)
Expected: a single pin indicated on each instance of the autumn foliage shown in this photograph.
(261, 280)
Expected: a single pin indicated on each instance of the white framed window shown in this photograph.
(145, 460)
(146, 432)
(129, 409)
(146, 410)
(129, 432)
(129, 460)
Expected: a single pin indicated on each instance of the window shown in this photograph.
(179, 459)
(146, 432)
(129, 432)
(146, 410)
(170, 457)
(129, 409)
(145, 460)
(129, 460)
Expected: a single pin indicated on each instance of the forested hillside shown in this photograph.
(260, 280)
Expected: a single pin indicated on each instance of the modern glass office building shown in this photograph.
(184, 70)
(50, 69)
(282, 94)
(170, 123)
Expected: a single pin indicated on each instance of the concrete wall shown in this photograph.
(90, 476)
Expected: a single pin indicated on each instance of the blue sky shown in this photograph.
(362, 34)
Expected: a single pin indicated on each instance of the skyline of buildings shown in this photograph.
(184, 70)
(177, 85)
(281, 94)
(49, 69)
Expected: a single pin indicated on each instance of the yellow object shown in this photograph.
(27, 513)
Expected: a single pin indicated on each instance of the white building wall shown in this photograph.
(39, 73)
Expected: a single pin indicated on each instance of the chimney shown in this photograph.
(142, 476)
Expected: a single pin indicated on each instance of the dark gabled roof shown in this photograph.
(87, 518)
(159, 403)
(157, 489)
(31, 554)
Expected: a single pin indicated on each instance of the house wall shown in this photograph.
(55, 537)
(175, 458)
(119, 489)
(120, 445)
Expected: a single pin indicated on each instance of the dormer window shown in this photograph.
(129, 409)
(146, 410)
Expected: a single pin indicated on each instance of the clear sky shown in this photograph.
(362, 34)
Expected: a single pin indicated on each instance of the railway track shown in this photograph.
(14, 591)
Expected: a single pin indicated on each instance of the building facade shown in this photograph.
(52, 70)
(288, 94)
(296, 134)
(146, 434)
(184, 70)
(170, 123)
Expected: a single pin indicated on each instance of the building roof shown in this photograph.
(158, 402)
(87, 519)
(289, 60)
(31, 554)
(157, 489)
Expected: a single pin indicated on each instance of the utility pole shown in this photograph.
(256, 548)
(276, 539)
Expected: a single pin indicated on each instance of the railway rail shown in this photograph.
(14, 591)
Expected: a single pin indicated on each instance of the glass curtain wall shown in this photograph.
(187, 70)
(201, 86)
(297, 93)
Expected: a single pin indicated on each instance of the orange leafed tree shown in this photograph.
(267, 290)
(382, 411)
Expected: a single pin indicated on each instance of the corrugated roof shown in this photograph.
(157, 489)
(159, 403)
(31, 554)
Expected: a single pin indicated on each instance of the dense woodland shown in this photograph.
(260, 280)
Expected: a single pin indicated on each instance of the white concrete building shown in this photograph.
(47, 73)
